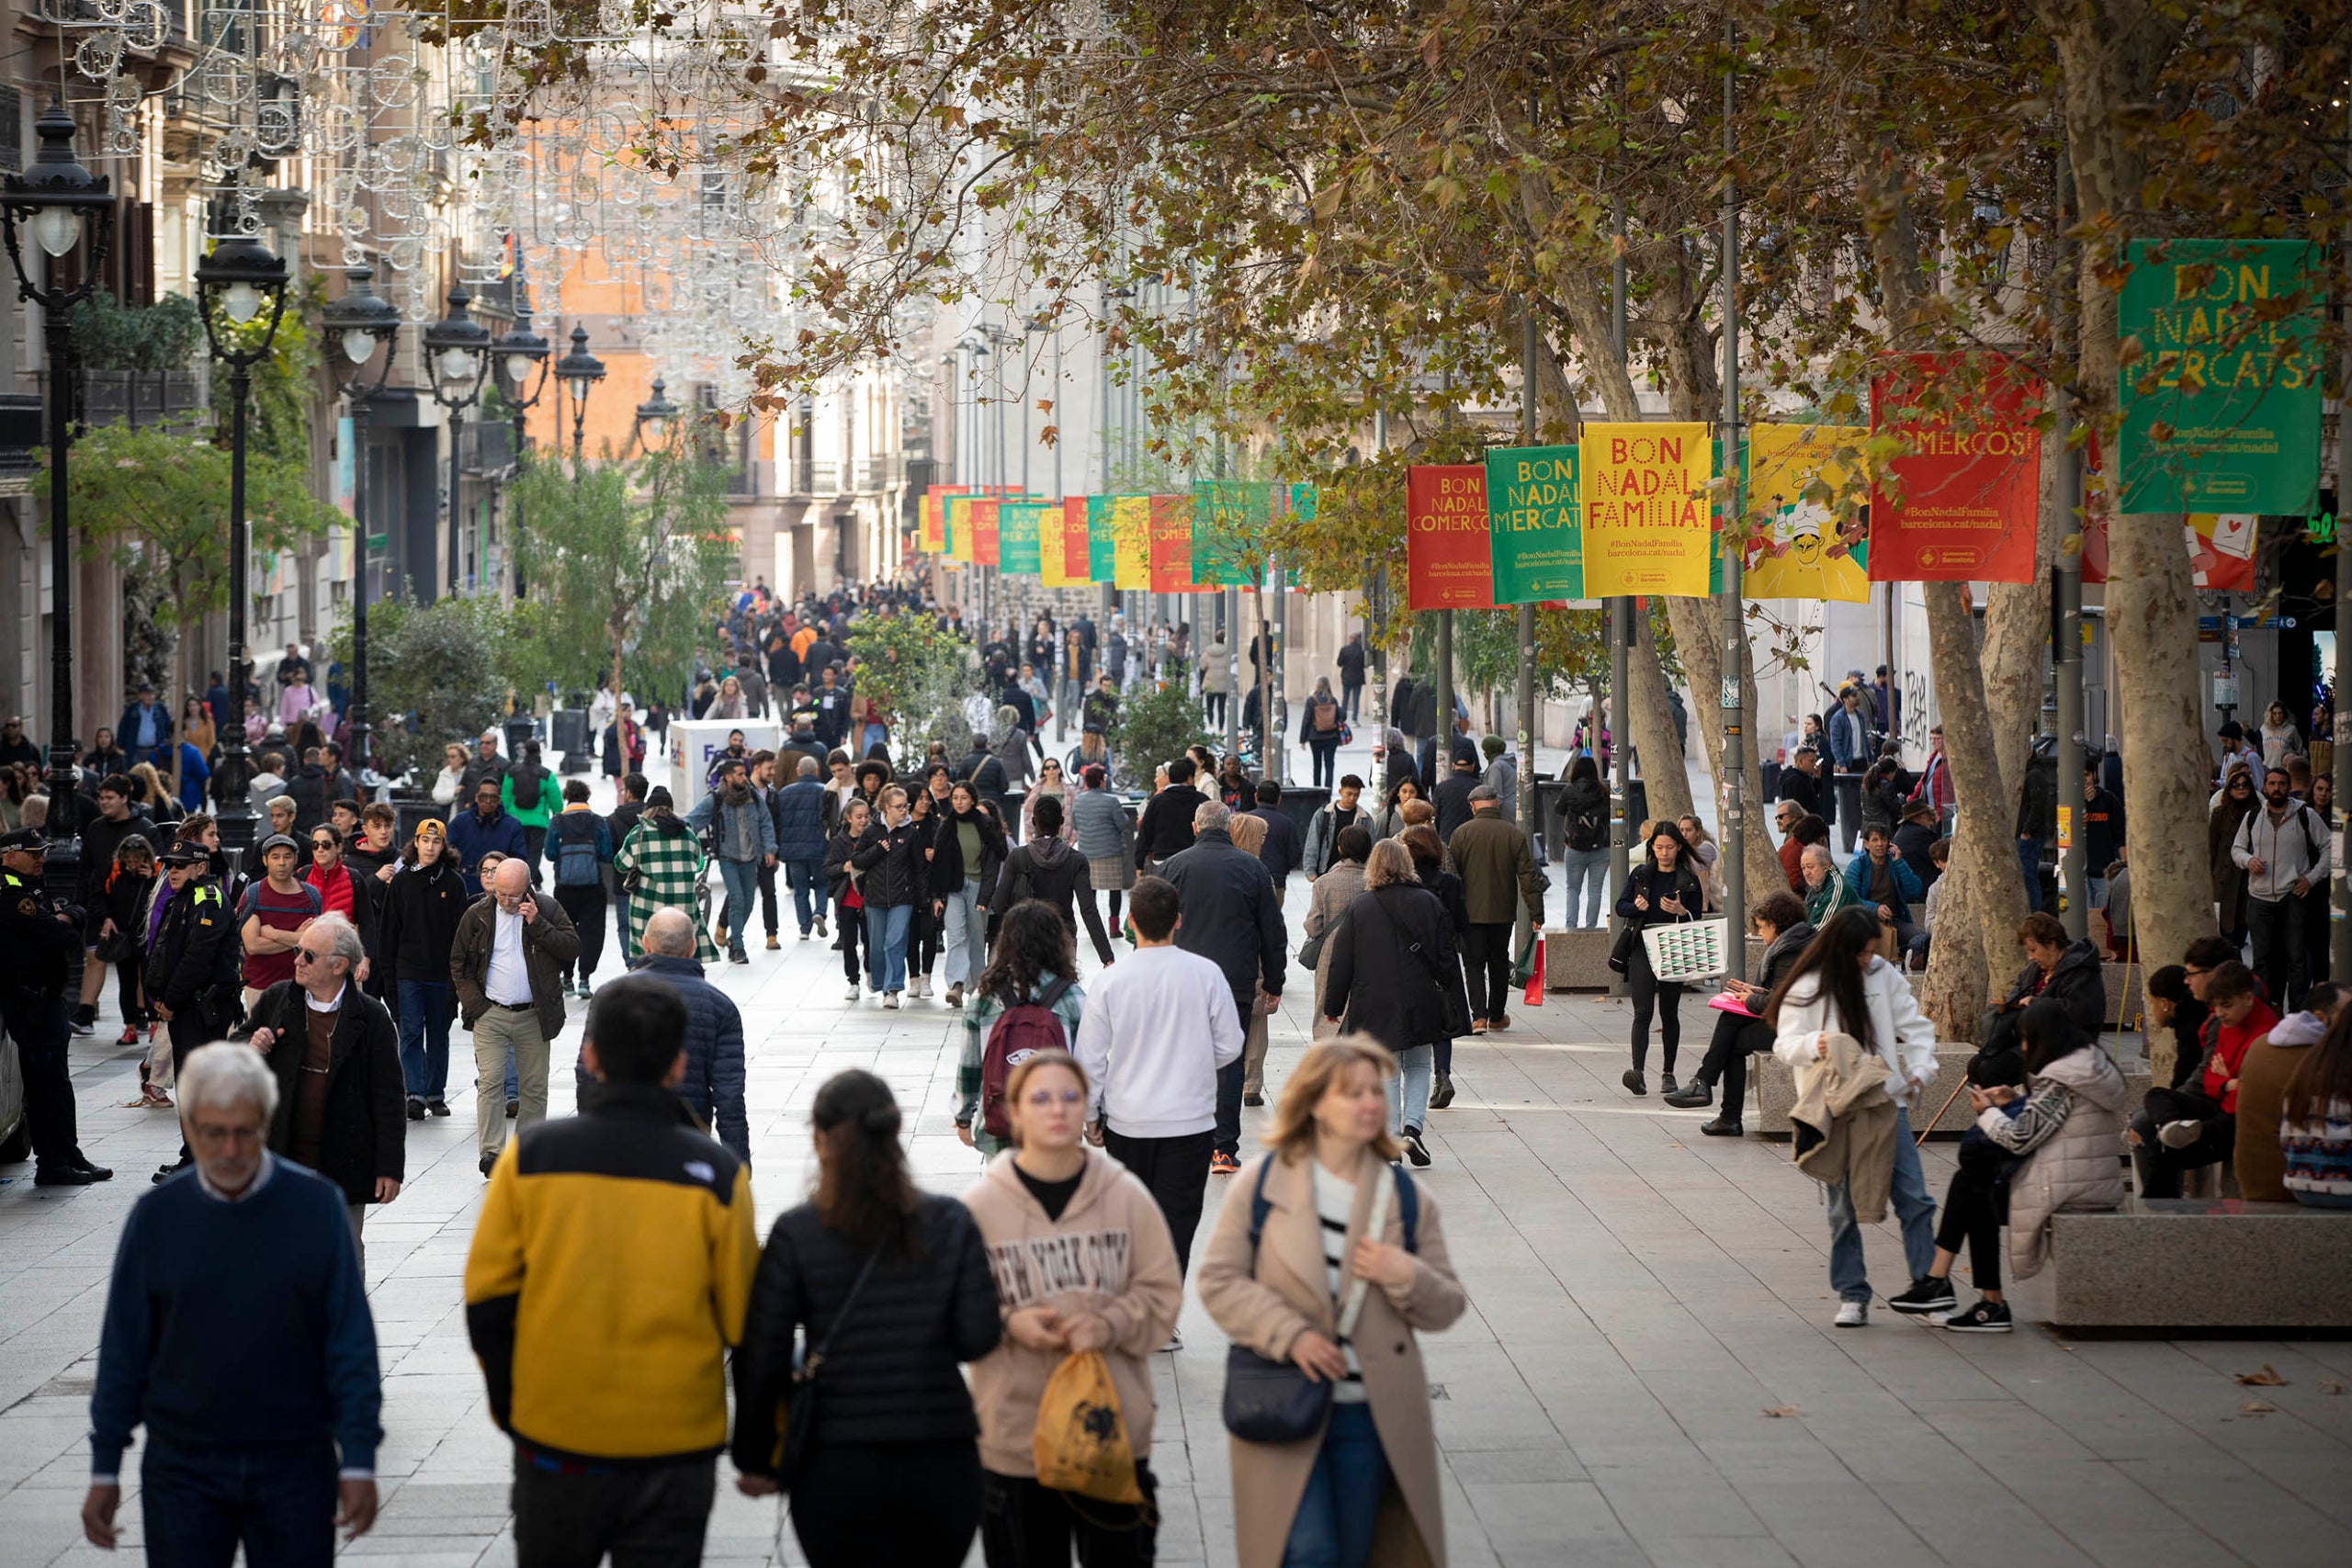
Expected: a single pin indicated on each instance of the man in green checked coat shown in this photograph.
(661, 864)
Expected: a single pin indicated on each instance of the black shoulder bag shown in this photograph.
(798, 1416)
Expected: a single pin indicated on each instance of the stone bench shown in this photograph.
(1578, 960)
(2203, 1263)
(1772, 1092)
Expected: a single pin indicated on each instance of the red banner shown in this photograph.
(1449, 552)
(1968, 485)
(1171, 546)
(984, 546)
(1075, 552)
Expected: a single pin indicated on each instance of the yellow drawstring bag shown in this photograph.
(1080, 1442)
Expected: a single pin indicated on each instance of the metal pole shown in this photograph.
(1442, 759)
(2066, 618)
(1231, 603)
(457, 437)
(1529, 347)
(62, 866)
(1376, 617)
(2339, 943)
(1276, 704)
(359, 741)
(236, 818)
(1734, 633)
(1621, 611)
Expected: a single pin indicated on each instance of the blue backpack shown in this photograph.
(576, 865)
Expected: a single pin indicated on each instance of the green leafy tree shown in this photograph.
(623, 565)
(1157, 724)
(437, 674)
(921, 675)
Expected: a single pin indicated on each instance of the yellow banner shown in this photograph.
(1805, 541)
(931, 538)
(955, 513)
(1131, 525)
(1050, 566)
(1647, 523)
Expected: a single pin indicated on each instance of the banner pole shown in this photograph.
(1620, 612)
(1733, 854)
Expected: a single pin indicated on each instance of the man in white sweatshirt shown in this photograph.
(1158, 1024)
(2284, 846)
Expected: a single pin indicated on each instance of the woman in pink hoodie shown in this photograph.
(1083, 1261)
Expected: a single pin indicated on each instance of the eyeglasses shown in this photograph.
(1043, 1099)
(304, 955)
(323, 844)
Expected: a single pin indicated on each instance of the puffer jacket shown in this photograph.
(891, 1373)
(2076, 984)
(2068, 1131)
(799, 813)
(890, 865)
(713, 1087)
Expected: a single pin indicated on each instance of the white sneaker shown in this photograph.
(855, 993)
(1175, 1342)
(2179, 1134)
(914, 986)
(890, 999)
(1852, 1314)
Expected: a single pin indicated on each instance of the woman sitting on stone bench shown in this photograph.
(2034, 1152)
(2315, 1122)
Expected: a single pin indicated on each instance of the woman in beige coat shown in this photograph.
(1370, 1479)
(1334, 891)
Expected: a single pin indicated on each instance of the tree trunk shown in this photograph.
(1698, 642)
(1649, 717)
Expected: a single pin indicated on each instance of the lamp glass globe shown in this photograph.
(57, 229)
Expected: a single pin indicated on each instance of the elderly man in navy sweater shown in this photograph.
(237, 1329)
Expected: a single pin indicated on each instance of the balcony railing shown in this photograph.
(144, 399)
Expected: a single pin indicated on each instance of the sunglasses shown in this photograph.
(304, 955)
(1040, 1099)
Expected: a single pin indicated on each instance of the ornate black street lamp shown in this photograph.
(579, 371)
(361, 323)
(457, 348)
(238, 280)
(655, 415)
(64, 205)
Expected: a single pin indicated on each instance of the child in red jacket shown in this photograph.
(2179, 1129)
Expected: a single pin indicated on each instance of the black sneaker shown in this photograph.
(437, 1106)
(416, 1108)
(1443, 1096)
(1985, 1317)
(1416, 1151)
(1667, 1087)
(1633, 1080)
(1696, 1095)
(1926, 1294)
(513, 1108)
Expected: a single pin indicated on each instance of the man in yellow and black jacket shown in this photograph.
(609, 1274)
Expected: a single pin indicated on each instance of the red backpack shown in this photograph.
(1018, 1033)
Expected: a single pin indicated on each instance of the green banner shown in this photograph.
(1536, 526)
(1302, 502)
(1102, 545)
(1017, 538)
(1227, 515)
(2221, 400)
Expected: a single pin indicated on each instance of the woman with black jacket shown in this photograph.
(840, 882)
(1780, 920)
(1429, 866)
(1661, 890)
(889, 863)
(1390, 960)
(893, 1285)
(1055, 875)
(421, 907)
(960, 890)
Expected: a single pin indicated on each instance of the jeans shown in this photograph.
(426, 1008)
(2096, 886)
(1408, 1092)
(807, 880)
(967, 937)
(1849, 1273)
(1588, 870)
(2030, 863)
(1351, 700)
(1023, 1523)
(1333, 1527)
(742, 879)
(1849, 810)
(1176, 1172)
(508, 1039)
(886, 946)
(875, 735)
(1325, 755)
(767, 898)
(199, 1505)
(1485, 965)
(1213, 706)
(629, 953)
(2277, 925)
(646, 1516)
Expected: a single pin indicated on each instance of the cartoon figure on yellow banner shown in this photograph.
(1799, 547)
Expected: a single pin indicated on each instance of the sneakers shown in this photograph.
(854, 992)
(1477, 1026)
(154, 1097)
(416, 1108)
(1667, 1086)
(2179, 1134)
(1442, 1095)
(1696, 1095)
(1416, 1151)
(804, 936)
(919, 985)
(1722, 1127)
(513, 1108)
(1222, 1164)
(1175, 1342)
(1633, 1080)
(738, 956)
(956, 995)
(1852, 1314)
(772, 943)
(890, 999)
(86, 1021)
(1985, 1317)
(820, 926)
(436, 1106)
(130, 1035)
(1926, 1294)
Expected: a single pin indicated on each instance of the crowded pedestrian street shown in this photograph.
(1646, 1376)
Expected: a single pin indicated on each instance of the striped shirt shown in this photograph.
(1335, 1204)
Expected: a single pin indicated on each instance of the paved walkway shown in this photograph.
(1646, 1375)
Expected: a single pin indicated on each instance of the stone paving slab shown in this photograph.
(1642, 1300)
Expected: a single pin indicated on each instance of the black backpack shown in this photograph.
(1588, 828)
(526, 781)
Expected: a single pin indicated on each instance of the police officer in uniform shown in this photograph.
(194, 972)
(42, 939)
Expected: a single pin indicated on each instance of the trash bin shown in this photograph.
(567, 730)
(519, 729)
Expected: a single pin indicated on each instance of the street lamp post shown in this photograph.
(359, 324)
(579, 371)
(238, 280)
(655, 415)
(457, 348)
(63, 203)
(519, 352)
